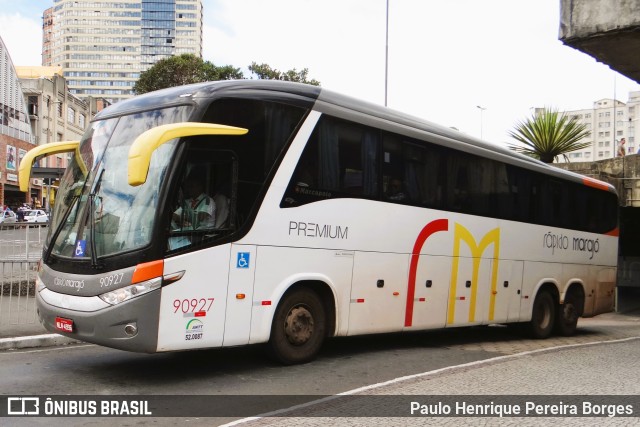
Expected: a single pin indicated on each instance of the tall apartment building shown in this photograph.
(608, 122)
(104, 45)
(47, 34)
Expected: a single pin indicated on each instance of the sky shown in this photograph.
(445, 58)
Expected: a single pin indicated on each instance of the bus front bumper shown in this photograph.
(131, 325)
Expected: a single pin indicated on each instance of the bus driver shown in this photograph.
(198, 210)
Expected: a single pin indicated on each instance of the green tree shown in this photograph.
(549, 134)
(181, 70)
(264, 71)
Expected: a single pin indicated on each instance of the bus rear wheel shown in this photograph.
(298, 328)
(568, 314)
(543, 315)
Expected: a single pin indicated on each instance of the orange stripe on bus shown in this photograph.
(147, 271)
(590, 182)
(615, 232)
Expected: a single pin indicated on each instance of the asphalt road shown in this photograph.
(344, 364)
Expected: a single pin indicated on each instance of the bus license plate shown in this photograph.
(64, 325)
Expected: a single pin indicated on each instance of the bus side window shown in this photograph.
(203, 209)
(340, 160)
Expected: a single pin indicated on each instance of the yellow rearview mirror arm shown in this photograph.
(24, 171)
(145, 144)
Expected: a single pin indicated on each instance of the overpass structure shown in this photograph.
(608, 30)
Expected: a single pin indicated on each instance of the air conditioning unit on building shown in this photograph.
(37, 181)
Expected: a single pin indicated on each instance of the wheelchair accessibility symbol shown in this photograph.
(243, 260)
(80, 248)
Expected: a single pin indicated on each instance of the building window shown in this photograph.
(33, 105)
(71, 115)
(81, 120)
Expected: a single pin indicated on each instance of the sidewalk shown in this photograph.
(20, 328)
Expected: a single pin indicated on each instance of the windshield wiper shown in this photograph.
(58, 230)
(92, 222)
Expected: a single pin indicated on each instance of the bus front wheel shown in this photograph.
(298, 328)
(543, 316)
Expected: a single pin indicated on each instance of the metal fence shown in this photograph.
(20, 252)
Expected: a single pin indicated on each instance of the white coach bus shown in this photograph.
(316, 216)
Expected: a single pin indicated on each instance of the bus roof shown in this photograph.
(327, 101)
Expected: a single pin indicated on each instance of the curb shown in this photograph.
(45, 340)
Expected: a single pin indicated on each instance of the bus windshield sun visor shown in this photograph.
(145, 144)
(24, 171)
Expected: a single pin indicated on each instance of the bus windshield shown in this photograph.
(100, 213)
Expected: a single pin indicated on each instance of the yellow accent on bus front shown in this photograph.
(24, 172)
(145, 144)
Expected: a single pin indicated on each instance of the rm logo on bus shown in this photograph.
(243, 260)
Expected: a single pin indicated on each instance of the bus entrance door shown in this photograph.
(240, 294)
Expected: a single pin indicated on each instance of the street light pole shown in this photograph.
(481, 111)
(386, 57)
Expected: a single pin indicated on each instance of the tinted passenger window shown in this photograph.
(340, 160)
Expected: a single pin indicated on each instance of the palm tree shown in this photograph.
(548, 135)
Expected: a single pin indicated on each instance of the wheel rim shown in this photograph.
(544, 314)
(299, 325)
(569, 313)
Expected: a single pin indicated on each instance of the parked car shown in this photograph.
(8, 217)
(36, 215)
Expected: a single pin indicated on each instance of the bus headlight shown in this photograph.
(124, 294)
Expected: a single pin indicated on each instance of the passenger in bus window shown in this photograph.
(396, 191)
(198, 210)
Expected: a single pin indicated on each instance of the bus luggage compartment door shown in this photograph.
(378, 292)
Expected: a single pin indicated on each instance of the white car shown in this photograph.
(36, 215)
(8, 217)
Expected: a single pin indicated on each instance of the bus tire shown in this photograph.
(543, 316)
(568, 314)
(299, 327)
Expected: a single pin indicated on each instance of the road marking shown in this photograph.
(52, 348)
(281, 412)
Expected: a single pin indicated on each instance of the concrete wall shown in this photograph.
(621, 172)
